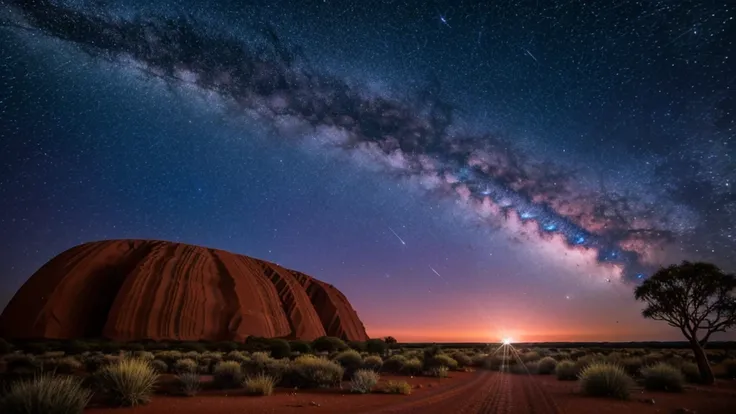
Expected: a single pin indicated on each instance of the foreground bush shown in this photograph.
(129, 382)
(395, 387)
(363, 381)
(566, 371)
(412, 367)
(663, 377)
(603, 379)
(329, 344)
(350, 360)
(546, 366)
(46, 394)
(228, 374)
(185, 365)
(189, 383)
(373, 363)
(394, 364)
(311, 371)
(260, 384)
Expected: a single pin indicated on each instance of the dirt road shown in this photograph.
(488, 393)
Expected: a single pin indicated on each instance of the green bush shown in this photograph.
(65, 365)
(373, 363)
(632, 365)
(530, 356)
(228, 374)
(350, 360)
(189, 383)
(462, 359)
(440, 360)
(260, 384)
(46, 394)
(601, 379)
(185, 365)
(439, 372)
(129, 382)
(412, 366)
(546, 366)
(357, 346)
(395, 387)
(159, 366)
(279, 348)
(376, 346)
(394, 363)
(566, 371)
(310, 371)
(301, 347)
(328, 344)
(663, 377)
(363, 381)
(148, 356)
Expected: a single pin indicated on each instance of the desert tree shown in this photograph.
(697, 298)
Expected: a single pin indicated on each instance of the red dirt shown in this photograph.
(141, 289)
(482, 392)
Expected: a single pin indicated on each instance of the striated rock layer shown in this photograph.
(141, 289)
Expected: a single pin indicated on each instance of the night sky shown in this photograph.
(461, 170)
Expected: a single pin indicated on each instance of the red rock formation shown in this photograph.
(140, 289)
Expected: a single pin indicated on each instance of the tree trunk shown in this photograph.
(706, 373)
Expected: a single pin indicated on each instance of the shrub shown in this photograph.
(395, 387)
(228, 374)
(462, 359)
(478, 360)
(189, 383)
(632, 365)
(260, 384)
(235, 356)
(261, 363)
(412, 366)
(23, 364)
(5, 347)
(530, 356)
(148, 356)
(279, 348)
(350, 360)
(46, 394)
(66, 365)
(185, 365)
(690, 371)
(440, 360)
(310, 371)
(566, 371)
(159, 366)
(363, 381)
(663, 377)
(376, 346)
(373, 363)
(546, 366)
(394, 363)
(357, 346)
(301, 347)
(653, 358)
(527, 368)
(76, 347)
(129, 382)
(603, 379)
(439, 372)
(328, 344)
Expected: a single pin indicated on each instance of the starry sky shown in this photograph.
(461, 170)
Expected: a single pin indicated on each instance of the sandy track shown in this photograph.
(488, 393)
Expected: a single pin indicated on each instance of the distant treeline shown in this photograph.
(585, 345)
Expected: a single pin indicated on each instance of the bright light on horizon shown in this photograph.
(507, 341)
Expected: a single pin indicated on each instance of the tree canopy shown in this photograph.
(698, 298)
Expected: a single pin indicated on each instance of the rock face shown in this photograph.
(140, 289)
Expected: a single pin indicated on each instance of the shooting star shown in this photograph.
(438, 274)
(530, 54)
(397, 236)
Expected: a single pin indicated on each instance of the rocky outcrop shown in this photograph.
(142, 289)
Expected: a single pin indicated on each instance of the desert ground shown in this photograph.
(371, 377)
